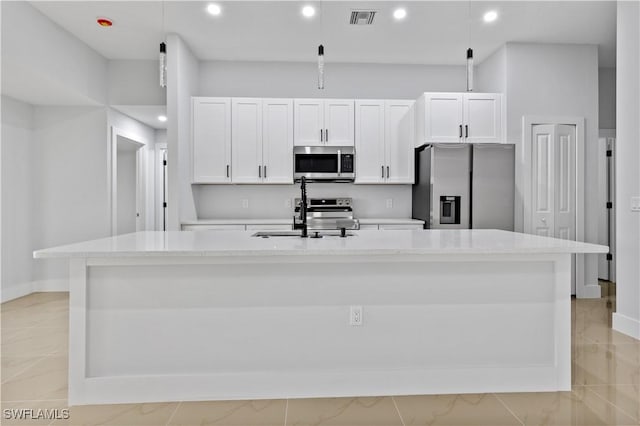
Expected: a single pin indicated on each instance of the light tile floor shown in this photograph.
(606, 390)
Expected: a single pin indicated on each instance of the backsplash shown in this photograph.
(275, 201)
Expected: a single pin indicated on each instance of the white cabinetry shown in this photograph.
(277, 141)
(211, 140)
(322, 122)
(246, 145)
(460, 117)
(384, 141)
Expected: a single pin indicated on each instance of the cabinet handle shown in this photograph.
(461, 131)
(382, 176)
(326, 135)
(321, 136)
(265, 172)
(466, 130)
(387, 172)
(227, 170)
(259, 171)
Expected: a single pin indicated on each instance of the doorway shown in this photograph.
(126, 183)
(554, 184)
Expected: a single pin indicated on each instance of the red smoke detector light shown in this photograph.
(104, 22)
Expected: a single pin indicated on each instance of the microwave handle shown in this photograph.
(339, 162)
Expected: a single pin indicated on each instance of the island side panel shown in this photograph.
(203, 328)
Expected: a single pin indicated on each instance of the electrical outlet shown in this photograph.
(635, 204)
(245, 203)
(355, 315)
(389, 203)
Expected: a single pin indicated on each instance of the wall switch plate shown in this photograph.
(245, 203)
(389, 203)
(635, 204)
(355, 315)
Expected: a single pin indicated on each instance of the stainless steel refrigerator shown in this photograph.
(461, 186)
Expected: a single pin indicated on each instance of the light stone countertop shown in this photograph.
(241, 243)
(288, 221)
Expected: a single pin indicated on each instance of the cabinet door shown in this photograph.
(211, 140)
(399, 141)
(246, 147)
(443, 117)
(339, 122)
(483, 117)
(309, 122)
(277, 141)
(369, 134)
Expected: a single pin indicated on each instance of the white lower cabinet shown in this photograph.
(384, 142)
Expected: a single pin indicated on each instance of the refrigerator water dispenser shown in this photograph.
(449, 209)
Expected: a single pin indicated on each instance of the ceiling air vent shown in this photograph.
(362, 17)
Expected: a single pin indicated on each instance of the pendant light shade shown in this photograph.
(469, 70)
(321, 67)
(163, 65)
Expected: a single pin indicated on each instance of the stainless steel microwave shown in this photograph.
(332, 163)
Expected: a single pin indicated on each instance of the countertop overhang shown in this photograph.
(369, 243)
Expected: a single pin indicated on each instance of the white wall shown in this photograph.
(183, 76)
(491, 74)
(270, 201)
(16, 151)
(300, 80)
(135, 83)
(607, 97)
(557, 80)
(627, 316)
(126, 189)
(70, 181)
(44, 64)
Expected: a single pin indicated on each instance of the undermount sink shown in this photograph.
(312, 234)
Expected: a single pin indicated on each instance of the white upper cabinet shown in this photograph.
(277, 141)
(322, 122)
(370, 144)
(443, 117)
(338, 122)
(483, 117)
(246, 146)
(211, 140)
(400, 141)
(384, 141)
(460, 117)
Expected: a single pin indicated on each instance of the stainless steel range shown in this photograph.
(329, 213)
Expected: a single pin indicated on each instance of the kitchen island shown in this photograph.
(181, 316)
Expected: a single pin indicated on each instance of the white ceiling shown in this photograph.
(147, 114)
(433, 32)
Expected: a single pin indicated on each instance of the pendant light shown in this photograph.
(469, 54)
(321, 67)
(163, 56)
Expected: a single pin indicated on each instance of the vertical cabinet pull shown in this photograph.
(387, 172)
(227, 170)
(321, 136)
(461, 131)
(326, 135)
(382, 176)
(259, 171)
(466, 130)
(265, 172)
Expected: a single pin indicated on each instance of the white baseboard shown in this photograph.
(26, 288)
(626, 325)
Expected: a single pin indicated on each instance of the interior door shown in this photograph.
(482, 117)
(309, 122)
(369, 133)
(211, 140)
(277, 141)
(399, 141)
(246, 149)
(542, 168)
(443, 117)
(339, 122)
(565, 182)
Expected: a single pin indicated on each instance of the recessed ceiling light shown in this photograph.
(214, 9)
(490, 16)
(308, 11)
(400, 14)
(104, 22)
(162, 118)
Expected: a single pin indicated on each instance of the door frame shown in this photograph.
(113, 178)
(528, 121)
(160, 153)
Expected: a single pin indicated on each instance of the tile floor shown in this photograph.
(606, 390)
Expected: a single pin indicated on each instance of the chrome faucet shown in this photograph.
(302, 224)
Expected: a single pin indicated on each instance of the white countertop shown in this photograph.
(241, 243)
(288, 221)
